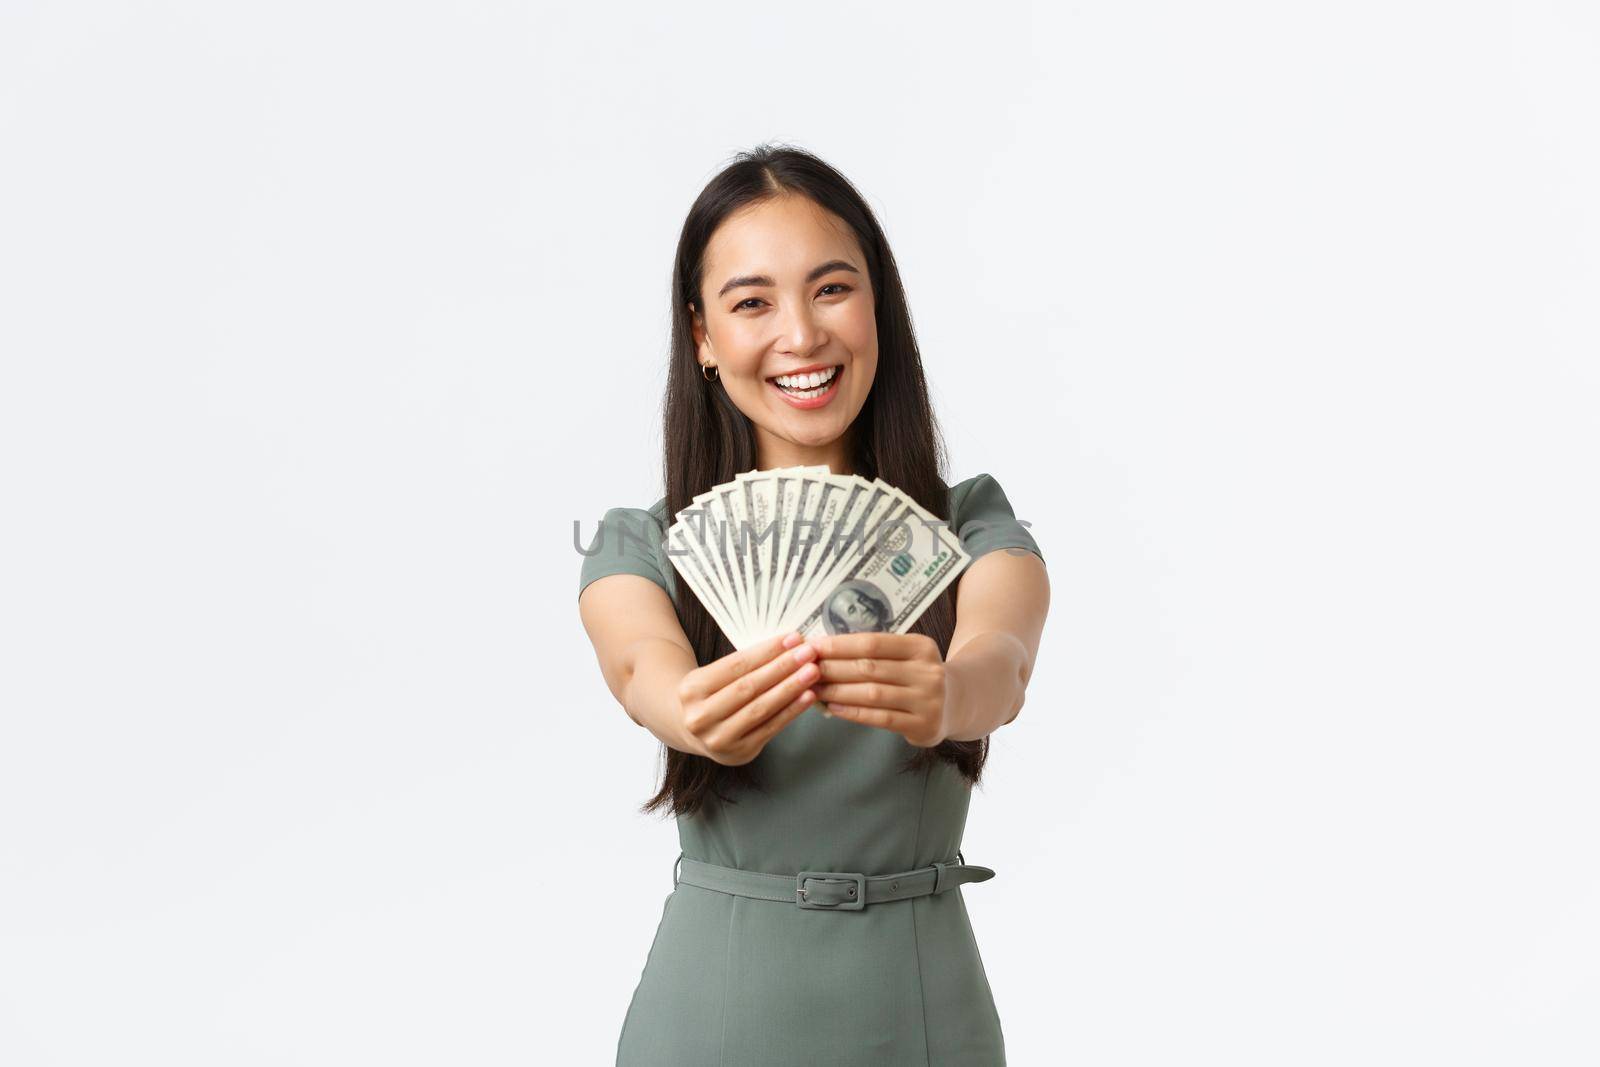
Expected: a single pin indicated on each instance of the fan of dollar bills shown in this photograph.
(801, 548)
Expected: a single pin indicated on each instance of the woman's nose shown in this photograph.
(799, 328)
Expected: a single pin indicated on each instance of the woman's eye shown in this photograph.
(740, 306)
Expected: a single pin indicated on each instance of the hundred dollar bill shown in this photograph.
(888, 584)
(711, 530)
(685, 554)
(816, 511)
(862, 502)
(793, 488)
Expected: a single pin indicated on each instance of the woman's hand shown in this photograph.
(733, 706)
(897, 682)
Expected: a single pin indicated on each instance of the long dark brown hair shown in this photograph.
(708, 440)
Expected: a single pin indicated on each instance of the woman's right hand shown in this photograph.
(734, 705)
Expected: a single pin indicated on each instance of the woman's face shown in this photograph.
(786, 290)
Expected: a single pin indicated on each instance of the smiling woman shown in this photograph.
(800, 334)
(816, 914)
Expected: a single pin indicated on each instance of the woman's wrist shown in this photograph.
(651, 695)
(984, 685)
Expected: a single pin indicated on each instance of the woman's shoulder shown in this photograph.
(959, 491)
(628, 540)
(982, 516)
(978, 493)
(635, 519)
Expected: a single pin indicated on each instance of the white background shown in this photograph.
(323, 322)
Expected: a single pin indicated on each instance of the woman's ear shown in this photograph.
(697, 330)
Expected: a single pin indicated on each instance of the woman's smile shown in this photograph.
(810, 390)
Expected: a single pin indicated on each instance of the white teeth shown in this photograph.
(806, 381)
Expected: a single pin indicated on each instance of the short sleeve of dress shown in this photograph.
(982, 517)
(628, 541)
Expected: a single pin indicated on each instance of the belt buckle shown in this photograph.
(856, 896)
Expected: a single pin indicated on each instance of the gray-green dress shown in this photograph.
(732, 981)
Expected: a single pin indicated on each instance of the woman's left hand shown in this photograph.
(894, 681)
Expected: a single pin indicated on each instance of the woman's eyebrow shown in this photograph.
(766, 279)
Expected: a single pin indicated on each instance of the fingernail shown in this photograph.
(792, 640)
(803, 653)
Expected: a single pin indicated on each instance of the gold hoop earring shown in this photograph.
(709, 377)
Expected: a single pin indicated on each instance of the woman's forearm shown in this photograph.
(986, 679)
(650, 690)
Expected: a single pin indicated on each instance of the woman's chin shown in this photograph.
(810, 436)
(814, 427)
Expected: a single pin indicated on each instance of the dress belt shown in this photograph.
(829, 890)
